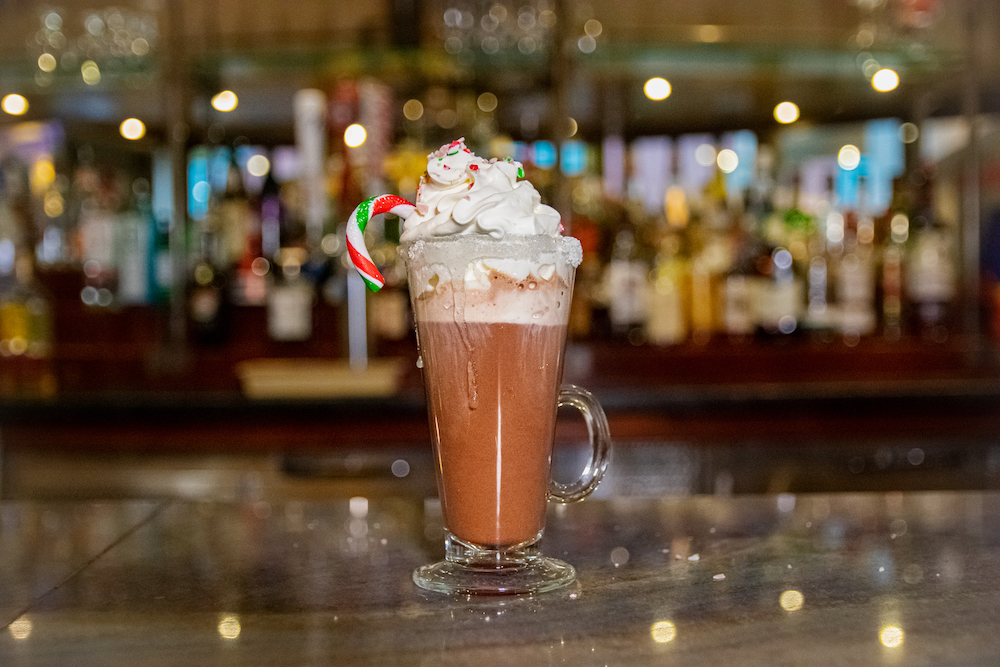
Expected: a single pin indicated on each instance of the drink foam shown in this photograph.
(477, 278)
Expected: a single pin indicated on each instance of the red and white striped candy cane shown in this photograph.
(356, 239)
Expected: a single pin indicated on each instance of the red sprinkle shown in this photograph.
(474, 167)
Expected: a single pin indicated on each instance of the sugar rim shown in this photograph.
(513, 246)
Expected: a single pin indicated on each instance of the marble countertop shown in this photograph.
(840, 579)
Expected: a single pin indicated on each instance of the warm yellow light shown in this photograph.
(133, 129)
(593, 28)
(885, 80)
(14, 104)
(43, 174)
(91, 73)
(225, 101)
(258, 165)
(203, 274)
(786, 112)
(487, 102)
(229, 627)
(413, 110)
(572, 127)
(678, 212)
(727, 160)
(891, 636)
(20, 628)
(355, 135)
(791, 600)
(657, 89)
(849, 157)
(53, 204)
(709, 33)
(663, 632)
(899, 227)
(46, 62)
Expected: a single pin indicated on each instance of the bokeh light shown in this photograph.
(20, 628)
(229, 627)
(909, 132)
(663, 632)
(90, 72)
(133, 129)
(355, 135)
(891, 636)
(705, 155)
(786, 112)
(572, 127)
(727, 160)
(849, 157)
(593, 28)
(47, 62)
(487, 102)
(885, 80)
(14, 104)
(709, 34)
(791, 600)
(413, 110)
(657, 89)
(258, 165)
(225, 101)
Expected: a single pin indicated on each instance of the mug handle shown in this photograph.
(600, 442)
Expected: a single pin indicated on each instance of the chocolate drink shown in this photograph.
(492, 389)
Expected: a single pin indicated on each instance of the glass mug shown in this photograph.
(491, 319)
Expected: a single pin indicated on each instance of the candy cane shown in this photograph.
(355, 234)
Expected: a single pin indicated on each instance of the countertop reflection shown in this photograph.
(853, 579)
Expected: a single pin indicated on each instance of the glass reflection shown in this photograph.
(229, 627)
(791, 600)
(891, 636)
(20, 628)
(663, 632)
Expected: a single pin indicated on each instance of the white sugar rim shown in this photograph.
(464, 248)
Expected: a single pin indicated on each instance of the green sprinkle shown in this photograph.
(520, 172)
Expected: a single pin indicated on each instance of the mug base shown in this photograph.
(537, 574)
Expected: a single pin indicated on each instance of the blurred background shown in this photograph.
(789, 211)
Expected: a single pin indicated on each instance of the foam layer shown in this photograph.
(520, 279)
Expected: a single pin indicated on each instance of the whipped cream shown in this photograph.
(462, 193)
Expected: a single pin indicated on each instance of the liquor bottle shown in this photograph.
(856, 279)
(271, 213)
(132, 243)
(25, 328)
(207, 302)
(581, 315)
(894, 240)
(669, 293)
(931, 278)
(625, 279)
(290, 298)
(96, 229)
(230, 216)
(930, 272)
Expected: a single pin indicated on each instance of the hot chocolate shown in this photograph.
(492, 390)
(491, 280)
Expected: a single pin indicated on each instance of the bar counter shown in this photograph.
(852, 579)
